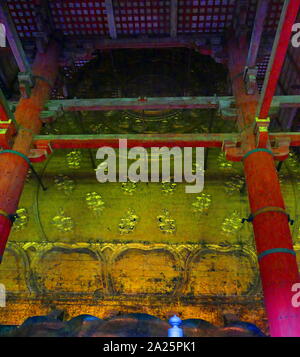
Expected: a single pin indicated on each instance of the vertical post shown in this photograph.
(258, 27)
(173, 18)
(111, 19)
(14, 165)
(276, 257)
(281, 43)
(13, 39)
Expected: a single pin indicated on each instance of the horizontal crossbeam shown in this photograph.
(198, 42)
(149, 140)
(139, 104)
(225, 104)
(144, 140)
(292, 138)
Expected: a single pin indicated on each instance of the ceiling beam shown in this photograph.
(142, 42)
(224, 104)
(111, 19)
(143, 140)
(261, 13)
(84, 48)
(139, 104)
(173, 18)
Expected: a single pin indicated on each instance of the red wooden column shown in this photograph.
(13, 165)
(276, 257)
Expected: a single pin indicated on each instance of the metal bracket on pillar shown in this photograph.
(250, 75)
(232, 151)
(261, 132)
(281, 148)
(26, 82)
(41, 152)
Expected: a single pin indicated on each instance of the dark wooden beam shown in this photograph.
(257, 31)
(111, 19)
(144, 140)
(173, 18)
(225, 104)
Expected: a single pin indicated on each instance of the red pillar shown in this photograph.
(277, 260)
(14, 167)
